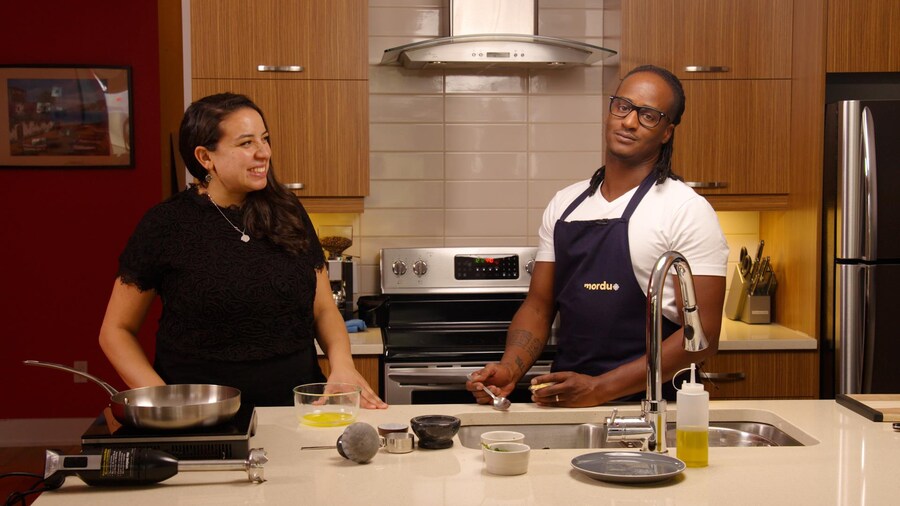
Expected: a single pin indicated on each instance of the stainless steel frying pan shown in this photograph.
(165, 407)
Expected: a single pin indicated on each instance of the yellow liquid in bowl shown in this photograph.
(327, 419)
(692, 446)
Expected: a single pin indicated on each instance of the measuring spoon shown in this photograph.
(500, 403)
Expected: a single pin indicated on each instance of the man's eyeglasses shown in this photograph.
(622, 107)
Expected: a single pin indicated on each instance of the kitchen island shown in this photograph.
(849, 461)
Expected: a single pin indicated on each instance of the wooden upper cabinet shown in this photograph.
(232, 38)
(863, 36)
(709, 39)
(736, 133)
(319, 131)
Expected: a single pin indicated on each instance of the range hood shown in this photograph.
(494, 33)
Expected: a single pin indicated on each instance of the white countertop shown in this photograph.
(854, 462)
(737, 335)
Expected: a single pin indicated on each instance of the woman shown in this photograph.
(239, 269)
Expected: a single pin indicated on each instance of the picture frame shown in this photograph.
(54, 116)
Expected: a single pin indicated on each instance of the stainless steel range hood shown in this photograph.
(494, 33)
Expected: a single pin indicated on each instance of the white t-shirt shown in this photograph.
(671, 216)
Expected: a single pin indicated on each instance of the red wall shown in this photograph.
(61, 230)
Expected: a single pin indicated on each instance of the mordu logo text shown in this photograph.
(604, 286)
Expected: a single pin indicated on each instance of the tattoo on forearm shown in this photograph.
(520, 365)
(526, 340)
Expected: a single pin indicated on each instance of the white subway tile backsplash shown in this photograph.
(398, 80)
(417, 166)
(412, 194)
(486, 137)
(565, 136)
(572, 4)
(406, 137)
(563, 165)
(405, 21)
(490, 109)
(469, 242)
(485, 222)
(576, 24)
(406, 108)
(504, 81)
(566, 108)
(371, 246)
(403, 222)
(577, 81)
(486, 166)
(485, 194)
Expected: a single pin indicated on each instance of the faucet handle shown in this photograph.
(612, 418)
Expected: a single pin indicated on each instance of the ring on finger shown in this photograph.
(556, 398)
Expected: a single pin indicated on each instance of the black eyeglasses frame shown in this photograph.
(639, 109)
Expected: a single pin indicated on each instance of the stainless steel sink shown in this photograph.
(728, 428)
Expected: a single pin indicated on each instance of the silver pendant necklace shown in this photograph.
(244, 236)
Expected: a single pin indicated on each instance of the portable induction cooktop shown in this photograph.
(229, 440)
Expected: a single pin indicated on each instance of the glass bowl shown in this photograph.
(327, 404)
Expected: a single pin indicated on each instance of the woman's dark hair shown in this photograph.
(272, 212)
(663, 165)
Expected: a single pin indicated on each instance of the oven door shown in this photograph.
(444, 383)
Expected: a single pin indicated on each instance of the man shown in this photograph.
(599, 241)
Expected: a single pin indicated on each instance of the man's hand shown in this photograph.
(570, 390)
(498, 375)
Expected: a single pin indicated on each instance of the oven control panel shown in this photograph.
(456, 270)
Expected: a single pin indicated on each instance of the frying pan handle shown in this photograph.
(106, 386)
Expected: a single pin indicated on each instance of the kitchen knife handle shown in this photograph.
(279, 68)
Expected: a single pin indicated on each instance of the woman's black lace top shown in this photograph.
(223, 299)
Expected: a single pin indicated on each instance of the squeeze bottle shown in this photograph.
(692, 423)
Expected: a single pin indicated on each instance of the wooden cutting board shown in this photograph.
(875, 407)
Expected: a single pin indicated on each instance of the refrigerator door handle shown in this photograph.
(868, 329)
(870, 185)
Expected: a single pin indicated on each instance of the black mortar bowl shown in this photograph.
(435, 432)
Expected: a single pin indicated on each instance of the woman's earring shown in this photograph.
(208, 178)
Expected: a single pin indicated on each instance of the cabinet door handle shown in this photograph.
(279, 68)
(723, 376)
(709, 68)
(707, 184)
(294, 186)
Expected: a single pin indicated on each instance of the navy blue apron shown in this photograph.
(602, 307)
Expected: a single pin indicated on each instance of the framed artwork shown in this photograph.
(65, 116)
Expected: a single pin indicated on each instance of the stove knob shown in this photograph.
(398, 267)
(420, 268)
(529, 267)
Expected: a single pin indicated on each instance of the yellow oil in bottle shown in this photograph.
(692, 445)
(327, 419)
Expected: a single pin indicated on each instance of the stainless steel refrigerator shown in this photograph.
(861, 253)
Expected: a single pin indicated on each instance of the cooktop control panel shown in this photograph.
(456, 270)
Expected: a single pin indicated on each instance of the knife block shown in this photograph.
(757, 309)
(740, 305)
(737, 296)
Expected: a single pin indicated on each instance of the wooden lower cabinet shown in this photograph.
(788, 374)
(366, 365)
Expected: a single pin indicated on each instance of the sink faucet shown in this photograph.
(650, 427)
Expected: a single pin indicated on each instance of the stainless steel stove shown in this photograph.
(448, 311)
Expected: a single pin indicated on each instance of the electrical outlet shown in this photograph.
(81, 365)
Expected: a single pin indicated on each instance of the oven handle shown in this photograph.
(450, 377)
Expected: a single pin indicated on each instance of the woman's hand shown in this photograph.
(368, 398)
